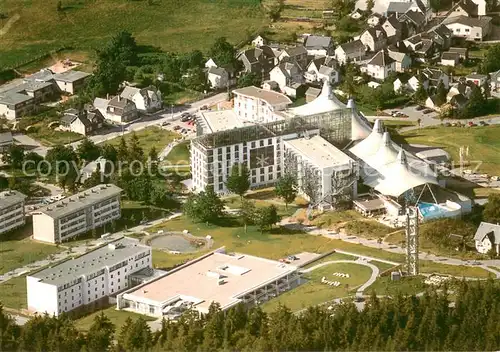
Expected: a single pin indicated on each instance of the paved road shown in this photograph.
(146, 121)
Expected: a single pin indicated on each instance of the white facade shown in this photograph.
(89, 278)
(77, 214)
(11, 210)
(259, 105)
(258, 41)
(145, 99)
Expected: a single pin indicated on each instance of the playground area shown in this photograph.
(178, 242)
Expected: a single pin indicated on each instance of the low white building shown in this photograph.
(82, 122)
(380, 66)
(117, 109)
(487, 237)
(145, 99)
(217, 77)
(477, 79)
(353, 51)
(82, 212)
(319, 45)
(11, 210)
(259, 41)
(71, 81)
(217, 277)
(88, 279)
(449, 58)
(470, 28)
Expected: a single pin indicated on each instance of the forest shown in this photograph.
(465, 319)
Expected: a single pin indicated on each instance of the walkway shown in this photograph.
(360, 261)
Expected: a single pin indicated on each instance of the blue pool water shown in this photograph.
(430, 211)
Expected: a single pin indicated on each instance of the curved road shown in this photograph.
(359, 291)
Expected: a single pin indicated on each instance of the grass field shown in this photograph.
(169, 24)
(313, 292)
(149, 137)
(17, 250)
(117, 317)
(407, 285)
(483, 142)
(13, 293)
(179, 155)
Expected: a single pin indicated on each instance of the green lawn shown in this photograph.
(149, 137)
(179, 155)
(454, 270)
(17, 249)
(167, 24)
(483, 142)
(313, 292)
(165, 260)
(13, 293)
(117, 317)
(407, 285)
(331, 257)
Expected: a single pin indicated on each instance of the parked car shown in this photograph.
(427, 111)
(165, 123)
(483, 123)
(176, 128)
(471, 124)
(204, 107)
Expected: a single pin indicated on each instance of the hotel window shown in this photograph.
(269, 141)
(254, 180)
(254, 172)
(261, 143)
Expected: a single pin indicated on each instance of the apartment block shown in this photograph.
(89, 278)
(67, 218)
(11, 210)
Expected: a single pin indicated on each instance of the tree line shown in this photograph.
(399, 323)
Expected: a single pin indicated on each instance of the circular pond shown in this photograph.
(176, 243)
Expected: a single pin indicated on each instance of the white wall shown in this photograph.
(43, 228)
(42, 297)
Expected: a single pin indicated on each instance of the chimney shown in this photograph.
(107, 96)
(119, 97)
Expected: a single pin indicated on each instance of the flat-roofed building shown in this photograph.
(11, 210)
(325, 174)
(14, 105)
(71, 81)
(89, 278)
(217, 277)
(67, 218)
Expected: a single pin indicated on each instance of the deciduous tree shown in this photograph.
(247, 212)
(205, 206)
(239, 180)
(286, 188)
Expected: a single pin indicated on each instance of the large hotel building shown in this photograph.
(67, 218)
(11, 210)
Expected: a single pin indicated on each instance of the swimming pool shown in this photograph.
(432, 211)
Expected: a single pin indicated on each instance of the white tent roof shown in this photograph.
(387, 167)
(325, 102)
(360, 126)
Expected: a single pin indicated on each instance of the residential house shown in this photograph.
(434, 76)
(259, 41)
(353, 51)
(458, 101)
(297, 53)
(312, 93)
(286, 74)
(83, 122)
(118, 109)
(464, 8)
(15, 105)
(423, 48)
(441, 35)
(100, 164)
(397, 8)
(393, 29)
(374, 19)
(495, 81)
(401, 85)
(258, 60)
(415, 19)
(449, 58)
(270, 85)
(327, 73)
(487, 238)
(322, 68)
(311, 74)
(380, 66)
(413, 42)
(460, 88)
(373, 84)
(402, 60)
(431, 103)
(419, 6)
(481, 7)
(374, 39)
(210, 63)
(462, 52)
(6, 141)
(356, 14)
(259, 105)
(319, 45)
(145, 99)
(217, 77)
(475, 29)
(71, 81)
(414, 83)
(477, 79)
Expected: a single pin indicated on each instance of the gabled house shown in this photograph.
(296, 54)
(259, 41)
(397, 8)
(481, 7)
(459, 88)
(426, 50)
(311, 74)
(416, 19)
(118, 109)
(401, 85)
(210, 63)
(470, 28)
(418, 6)
(458, 101)
(434, 76)
(462, 52)
(327, 73)
(414, 83)
(477, 79)
(487, 238)
(373, 39)
(431, 103)
(71, 81)
(441, 36)
(145, 99)
(319, 45)
(394, 29)
(6, 140)
(449, 58)
(83, 122)
(258, 60)
(356, 14)
(374, 19)
(380, 66)
(217, 77)
(353, 51)
(285, 74)
(463, 8)
(402, 60)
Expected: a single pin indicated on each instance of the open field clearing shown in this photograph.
(81, 24)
